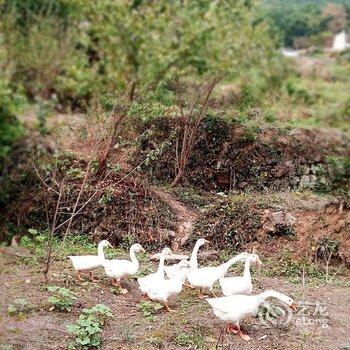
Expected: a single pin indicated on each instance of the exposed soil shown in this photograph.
(129, 329)
(185, 216)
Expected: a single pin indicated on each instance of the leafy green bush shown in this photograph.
(88, 328)
(62, 299)
(10, 128)
(149, 309)
(250, 133)
(340, 173)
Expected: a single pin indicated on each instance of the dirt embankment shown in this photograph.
(229, 157)
(307, 226)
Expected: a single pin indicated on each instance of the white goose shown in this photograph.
(240, 284)
(88, 263)
(169, 288)
(205, 277)
(194, 259)
(148, 281)
(181, 269)
(235, 307)
(118, 269)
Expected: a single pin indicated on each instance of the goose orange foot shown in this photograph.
(92, 278)
(78, 275)
(232, 328)
(145, 297)
(201, 295)
(167, 308)
(115, 282)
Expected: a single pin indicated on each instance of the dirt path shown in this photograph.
(185, 217)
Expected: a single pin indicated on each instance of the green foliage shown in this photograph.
(10, 128)
(250, 133)
(88, 328)
(327, 247)
(289, 267)
(270, 117)
(340, 173)
(77, 49)
(127, 335)
(62, 299)
(149, 309)
(194, 341)
(283, 230)
(19, 308)
(301, 23)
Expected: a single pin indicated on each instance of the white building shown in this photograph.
(339, 42)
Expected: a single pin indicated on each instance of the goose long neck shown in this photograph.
(193, 259)
(160, 269)
(270, 294)
(133, 257)
(100, 252)
(247, 269)
(229, 263)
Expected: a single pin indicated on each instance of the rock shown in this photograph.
(308, 181)
(323, 180)
(297, 134)
(209, 255)
(283, 140)
(284, 168)
(166, 234)
(294, 132)
(280, 171)
(281, 218)
(313, 179)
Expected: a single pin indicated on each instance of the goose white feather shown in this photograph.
(87, 263)
(166, 289)
(148, 281)
(205, 277)
(235, 307)
(118, 269)
(240, 284)
(181, 269)
(194, 258)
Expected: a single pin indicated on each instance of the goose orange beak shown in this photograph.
(294, 307)
(207, 241)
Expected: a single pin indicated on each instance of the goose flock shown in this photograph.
(167, 282)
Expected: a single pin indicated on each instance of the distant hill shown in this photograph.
(303, 23)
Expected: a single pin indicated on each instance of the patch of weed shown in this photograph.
(62, 299)
(194, 341)
(88, 328)
(19, 308)
(149, 309)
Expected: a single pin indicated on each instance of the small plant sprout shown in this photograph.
(62, 299)
(88, 328)
(149, 309)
